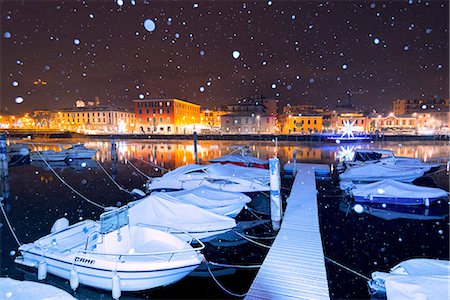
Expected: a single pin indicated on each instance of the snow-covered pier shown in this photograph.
(295, 266)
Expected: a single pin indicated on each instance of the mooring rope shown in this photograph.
(257, 212)
(136, 168)
(220, 285)
(347, 268)
(234, 266)
(250, 240)
(68, 185)
(152, 164)
(112, 179)
(7, 222)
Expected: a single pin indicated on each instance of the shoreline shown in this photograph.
(232, 137)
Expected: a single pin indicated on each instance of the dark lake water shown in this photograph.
(374, 240)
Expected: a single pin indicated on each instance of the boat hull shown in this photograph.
(395, 200)
(134, 277)
(86, 154)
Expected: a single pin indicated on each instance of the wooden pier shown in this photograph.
(294, 268)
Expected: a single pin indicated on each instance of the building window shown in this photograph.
(160, 120)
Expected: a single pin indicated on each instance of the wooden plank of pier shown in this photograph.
(294, 268)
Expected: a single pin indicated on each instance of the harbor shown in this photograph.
(312, 225)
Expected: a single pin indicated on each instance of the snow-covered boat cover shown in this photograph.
(163, 210)
(207, 197)
(220, 171)
(376, 172)
(25, 290)
(395, 189)
(417, 278)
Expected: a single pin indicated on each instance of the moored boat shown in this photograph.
(418, 278)
(395, 192)
(78, 151)
(217, 201)
(47, 155)
(223, 177)
(112, 254)
(376, 172)
(242, 158)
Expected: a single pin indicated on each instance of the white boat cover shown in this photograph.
(163, 210)
(230, 170)
(239, 158)
(417, 278)
(394, 189)
(376, 172)
(207, 197)
(25, 290)
(220, 171)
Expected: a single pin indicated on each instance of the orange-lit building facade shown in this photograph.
(166, 116)
(361, 122)
(93, 119)
(300, 124)
(210, 119)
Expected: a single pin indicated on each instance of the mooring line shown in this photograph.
(136, 168)
(152, 164)
(347, 268)
(220, 285)
(234, 266)
(68, 185)
(250, 240)
(112, 179)
(7, 221)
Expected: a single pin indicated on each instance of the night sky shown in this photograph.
(296, 51)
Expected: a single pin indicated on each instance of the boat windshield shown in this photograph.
(113, 220)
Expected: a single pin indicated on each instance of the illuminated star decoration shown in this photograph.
(346, 153)
(348, 129)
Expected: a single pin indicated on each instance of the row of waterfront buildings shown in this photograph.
(254, 115)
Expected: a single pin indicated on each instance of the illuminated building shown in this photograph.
(394, 123)
(410, 106)
(93, 119)
(166, 116)
(300, 124)
(248, 124)
(254, 105)
(360, 121)
(211, 119)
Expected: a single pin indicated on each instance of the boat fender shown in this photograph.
(426, 201)
(59, 225)
(74, 279)
(42, 270)
(116, 292)
(138, 193)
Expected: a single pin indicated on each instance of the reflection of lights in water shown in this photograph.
(346, 153)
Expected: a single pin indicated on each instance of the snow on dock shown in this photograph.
(295, 267)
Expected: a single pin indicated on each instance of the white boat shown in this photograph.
(78, 151)
(220, 202)
(115, 254)
(388, 158)
(164, 210)
(223, 177)
(47, 155)
(391, 191)
(376, 172)
(242, 157)
(418, 278)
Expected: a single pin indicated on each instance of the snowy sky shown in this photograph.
(213, 53)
